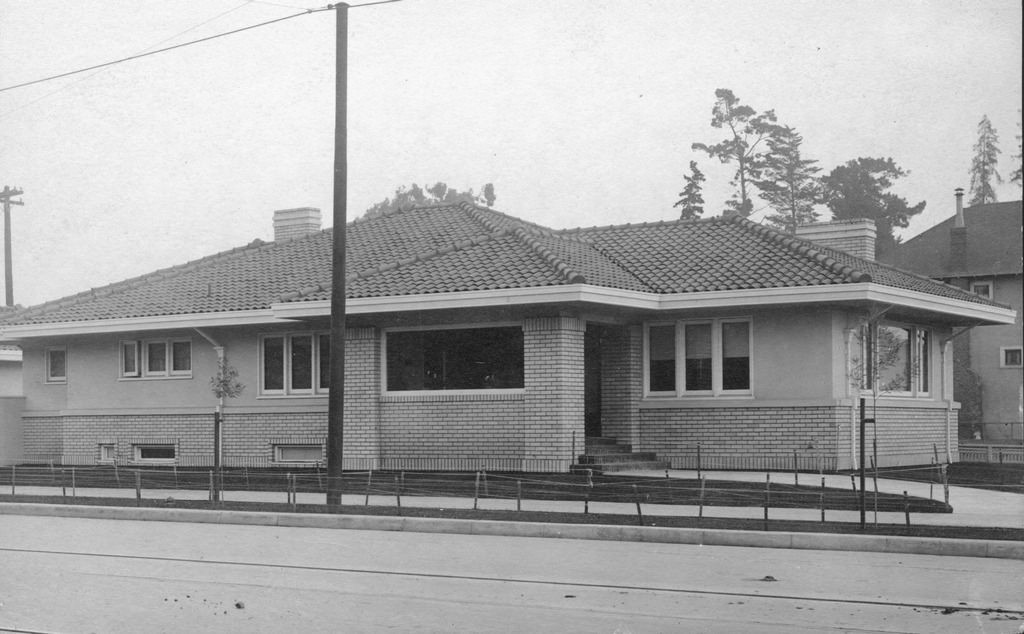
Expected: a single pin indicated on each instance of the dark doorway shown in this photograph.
(592, 379)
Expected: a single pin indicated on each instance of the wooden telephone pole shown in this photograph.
(6, 195)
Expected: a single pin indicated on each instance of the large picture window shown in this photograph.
(156, 358)
(455, 359)
(698, 358)
(295, 364)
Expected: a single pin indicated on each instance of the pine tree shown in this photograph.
(983, 165)
(690, 199)
(789, 183)
(746, 131)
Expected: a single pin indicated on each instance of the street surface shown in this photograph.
(87, 575)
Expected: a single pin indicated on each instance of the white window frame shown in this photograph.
(460, 392)
(107, 452)
(991, 288)
(316, 388)
(278, 448)
(918, 387)
(139, 447)
(1002, 357)
(49, 376)
(139, 351)
(717, 357)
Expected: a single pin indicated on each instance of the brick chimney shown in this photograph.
(958, 236)
(856, 236)
(295, 223)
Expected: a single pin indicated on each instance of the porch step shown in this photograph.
(604, 455)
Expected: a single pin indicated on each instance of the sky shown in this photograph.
(580, 112)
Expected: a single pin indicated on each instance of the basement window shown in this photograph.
(298, 453)
(108, 452)
(157, 454)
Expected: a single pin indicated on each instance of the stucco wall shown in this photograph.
(1001, 387)
(11, 435)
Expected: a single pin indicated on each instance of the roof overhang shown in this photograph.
(585, 293)
(864, 293)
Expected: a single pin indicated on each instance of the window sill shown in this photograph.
(162, 377)
(453, 395)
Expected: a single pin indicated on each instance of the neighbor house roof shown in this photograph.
(993, 244)
(462, 248)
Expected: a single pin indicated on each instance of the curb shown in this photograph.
(652, 534)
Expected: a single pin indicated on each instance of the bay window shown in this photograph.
(698, 358)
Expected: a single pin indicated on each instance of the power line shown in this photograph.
(171, 48)
(166, 39)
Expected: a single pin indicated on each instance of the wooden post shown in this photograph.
(519, 495)
(117, 476)
(138, 488)
(698, 461)
(767, 497)
(700, 512)
(63, 485)
(906, 506)
(821, 501)
(398, 494)
(74, 487)
(213, 495)
(476, 490)
(639, 513)
(796, 469)
(288, 488)
(369, 480)
(14, 470)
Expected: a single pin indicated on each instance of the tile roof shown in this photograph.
(462, 247)
(993, 244)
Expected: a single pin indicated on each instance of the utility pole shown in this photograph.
(336, 398)
(6, 195)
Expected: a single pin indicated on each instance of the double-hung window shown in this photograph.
(902, 360)
(698, 358)
(56, 365)
(295, 364)
(156, 358)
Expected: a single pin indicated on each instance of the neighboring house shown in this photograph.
(11, 399)
(979, 249)
(478, 340)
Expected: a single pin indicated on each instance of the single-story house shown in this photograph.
(478, 340)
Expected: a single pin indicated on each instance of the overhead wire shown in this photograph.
(168, 48)
(166, 39)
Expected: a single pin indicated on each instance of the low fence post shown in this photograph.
(906, 506)
(821, 500)
(639, 513)
(13, 473)
(700, 512)
(369, 481)
(698, 462)
(476, 490)
(213, 495)
(295, 494)
(945, 484)
(796, 469)
(767, 497)
(74, 485)
(519, 495)
(63, 484)
(138, 488)
(398, 494)
(117, 476)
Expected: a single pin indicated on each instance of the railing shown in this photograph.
(481, 490)
(991, 453)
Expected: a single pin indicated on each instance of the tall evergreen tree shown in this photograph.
(691, 200)
(744, 144)
(860, 189)
(788, 182)
(983, 165)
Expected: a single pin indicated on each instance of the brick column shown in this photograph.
(554, 399)
(362, 398)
